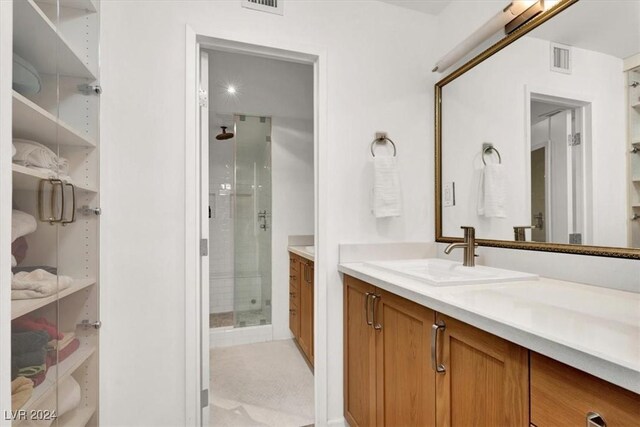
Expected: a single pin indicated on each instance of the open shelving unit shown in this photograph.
(60, 39)
(633, 76)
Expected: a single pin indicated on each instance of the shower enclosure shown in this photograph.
(240, 225)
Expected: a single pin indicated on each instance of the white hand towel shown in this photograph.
(386, 187)
(37, 284)
(492, 191)
(31, 153)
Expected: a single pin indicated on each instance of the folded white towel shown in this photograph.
(31, 153)
(492, 191)
(387, 192)
(21, 224)
(37, 284)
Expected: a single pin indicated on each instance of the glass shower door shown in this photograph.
(252, 221)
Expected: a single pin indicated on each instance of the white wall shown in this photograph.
(378, 70)
(283, 91)
(488, 104)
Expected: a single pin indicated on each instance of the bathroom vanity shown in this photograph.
(301, 298)
(511, 353)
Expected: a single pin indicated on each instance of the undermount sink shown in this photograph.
(442, 272)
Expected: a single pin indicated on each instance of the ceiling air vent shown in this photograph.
(271, 6)
(561, 58)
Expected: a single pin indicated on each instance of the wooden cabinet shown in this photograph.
(484, 379)
(388, 380)
(305, 338)
(564, 396)
(301, 303)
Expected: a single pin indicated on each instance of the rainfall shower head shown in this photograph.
(224, 135)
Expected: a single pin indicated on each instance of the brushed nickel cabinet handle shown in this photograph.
(438, 367)
(73, 204)
(55, 183)
(367, 298)
(595, 420)
(377, 326)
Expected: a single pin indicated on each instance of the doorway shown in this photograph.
(558, 165)
(258, 185)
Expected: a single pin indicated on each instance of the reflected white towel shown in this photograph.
(492, 195)
(21, 224)
(37, 284)
(31, 153)
(386, 187)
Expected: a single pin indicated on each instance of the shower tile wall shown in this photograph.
(221, 268)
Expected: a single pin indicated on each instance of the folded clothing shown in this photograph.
(37, 284)
(31, 371)
(62, 343)
(21, 224)
(25, 324)
(29, 269)
(54, 357)
(27, 340)
(31, 358)
(19, 249)
(21, 391)
(39, 378)
(31, 153)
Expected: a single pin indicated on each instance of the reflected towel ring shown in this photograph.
(491, 148)
(383, 139)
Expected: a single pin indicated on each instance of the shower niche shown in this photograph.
(240, 223)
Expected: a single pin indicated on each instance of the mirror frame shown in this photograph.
(604, 251)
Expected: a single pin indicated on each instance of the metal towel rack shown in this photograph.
(381, 137)
(488, 147)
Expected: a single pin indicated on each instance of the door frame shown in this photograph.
(196, 337)
(583, 103)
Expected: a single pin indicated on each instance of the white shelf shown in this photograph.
(36, 40)
(24, 306)
(30, 121)
(25, 178)
(79, 417)
(57, 374)
(88, 5)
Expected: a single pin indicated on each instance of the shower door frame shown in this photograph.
(196, 335)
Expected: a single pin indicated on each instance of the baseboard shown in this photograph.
(338, 422)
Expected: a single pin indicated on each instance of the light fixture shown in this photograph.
(231, 89)
(508, 19)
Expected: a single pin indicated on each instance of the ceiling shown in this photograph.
(432, 7)
(611, 27)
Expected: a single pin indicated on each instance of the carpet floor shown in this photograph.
(264, 384)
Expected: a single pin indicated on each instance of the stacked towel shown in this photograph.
(37, 284)
(56, 356)
(492, 192)
(21, 391)
(28, 353)
(33, 154)
(67, 337)
(386, 187)
(21, 224)
(25, 324)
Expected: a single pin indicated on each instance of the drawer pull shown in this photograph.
(367, 298)
(595, 420)
(438, 367)
(376, 325)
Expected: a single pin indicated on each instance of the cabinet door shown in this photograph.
(405, 381)
(485, 380)
(306, 310)
(359, 355)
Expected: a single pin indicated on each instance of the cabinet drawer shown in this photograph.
(563, 396)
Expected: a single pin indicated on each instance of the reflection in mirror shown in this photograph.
(561, 107)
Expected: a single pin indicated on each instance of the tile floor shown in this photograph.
(245, 318)
(264, 384)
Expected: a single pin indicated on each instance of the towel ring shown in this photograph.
(486, 150)
(383, 139)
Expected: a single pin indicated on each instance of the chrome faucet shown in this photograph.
(469, 246)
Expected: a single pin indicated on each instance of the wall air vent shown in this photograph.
(561, 58)
(271, 6)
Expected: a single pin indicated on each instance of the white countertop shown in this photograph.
(307, 252)
(596, 330)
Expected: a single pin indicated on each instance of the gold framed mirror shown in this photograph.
(543, 131)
